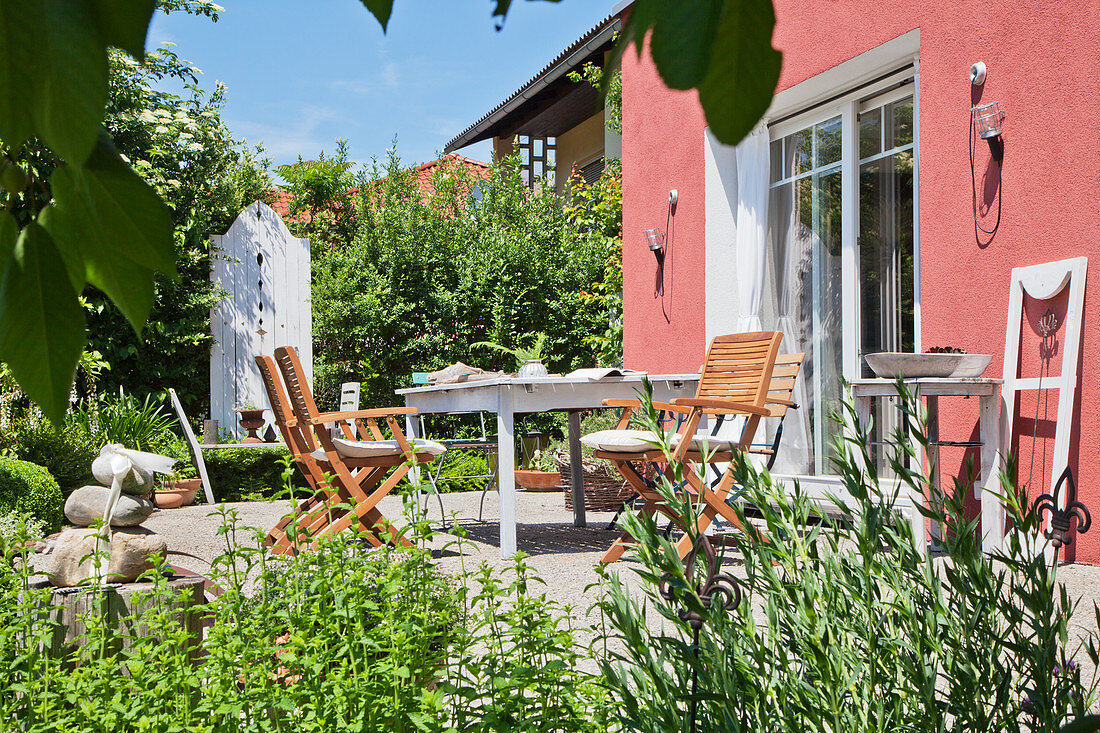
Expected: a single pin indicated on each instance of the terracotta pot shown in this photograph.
(251, 420)
(539, 480)
(180, 492)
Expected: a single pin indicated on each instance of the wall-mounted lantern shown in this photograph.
(988, 118)
(655, 239)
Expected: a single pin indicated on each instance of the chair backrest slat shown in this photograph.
(784, 376)
(739, 366)
(297, 439)
(301, 399)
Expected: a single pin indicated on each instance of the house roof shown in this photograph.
(549, 103)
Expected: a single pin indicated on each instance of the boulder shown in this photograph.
(85, 505)
(137, 480)
(131, 554)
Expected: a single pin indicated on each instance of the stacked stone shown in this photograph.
(133, 548)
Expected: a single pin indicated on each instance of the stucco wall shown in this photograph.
(1044, 68)
(577, 146)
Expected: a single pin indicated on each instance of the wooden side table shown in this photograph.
(931, 389)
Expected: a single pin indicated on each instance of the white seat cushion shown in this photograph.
(701, 441)
(621, 441)
(376, 448)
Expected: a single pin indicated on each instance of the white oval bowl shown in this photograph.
(892, 364)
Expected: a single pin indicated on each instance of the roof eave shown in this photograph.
(567, 61)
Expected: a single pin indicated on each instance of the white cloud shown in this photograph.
(285, 141)
(350, 86)
(389, 74)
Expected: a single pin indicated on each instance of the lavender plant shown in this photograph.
(846, 625)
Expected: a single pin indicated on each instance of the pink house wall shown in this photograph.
(1044, 68)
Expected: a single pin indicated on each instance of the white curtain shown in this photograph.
(752, 226)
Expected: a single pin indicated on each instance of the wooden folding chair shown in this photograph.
(359, 472)
(323, 505)
(780, 401)
(735, 381)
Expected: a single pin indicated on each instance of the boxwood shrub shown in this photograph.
(246, 474)
(29, 488)
(66, 452)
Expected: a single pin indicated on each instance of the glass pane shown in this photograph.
(784, 308)
(800, 147)
(827, 291)
(828, 142)
(886, 273)
(870, 133)
(902, 122)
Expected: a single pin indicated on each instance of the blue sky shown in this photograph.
(302, 73)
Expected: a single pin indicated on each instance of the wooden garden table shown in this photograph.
(508, 396)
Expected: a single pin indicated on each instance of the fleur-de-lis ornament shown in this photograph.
(1047, 324)
(715, 587)
(1061, 519)
(715, 590)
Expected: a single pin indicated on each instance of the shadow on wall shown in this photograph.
(991, 176)
(661, 245)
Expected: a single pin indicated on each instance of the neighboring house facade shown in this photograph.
(555, 124)
(869, 241)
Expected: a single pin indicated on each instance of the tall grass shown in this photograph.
(846, 625)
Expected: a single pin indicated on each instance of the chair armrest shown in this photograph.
(777, 401)
(667, 406)
(327, 417)
(717, 403)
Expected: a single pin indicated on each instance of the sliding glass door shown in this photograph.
(841, 268)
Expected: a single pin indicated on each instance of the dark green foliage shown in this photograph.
(25, 487)
(430, 274)
(248, 474)
(66, 452)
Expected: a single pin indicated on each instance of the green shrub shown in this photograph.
(855, 628)
(32, 528)
(427, 276)
(145, 425)
(66, 452)
(344, 638)
(29, 488)
(248, 474)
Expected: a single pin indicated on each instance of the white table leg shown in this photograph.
(993, 509)
(412, 432)
(506, 473)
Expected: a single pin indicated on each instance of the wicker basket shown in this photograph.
(603, 492)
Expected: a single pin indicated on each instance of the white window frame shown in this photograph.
(871, 76)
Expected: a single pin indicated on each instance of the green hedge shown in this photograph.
(29, 488)
(66, 452)
(247, 474)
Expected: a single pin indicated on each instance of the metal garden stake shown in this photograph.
(715, 590)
